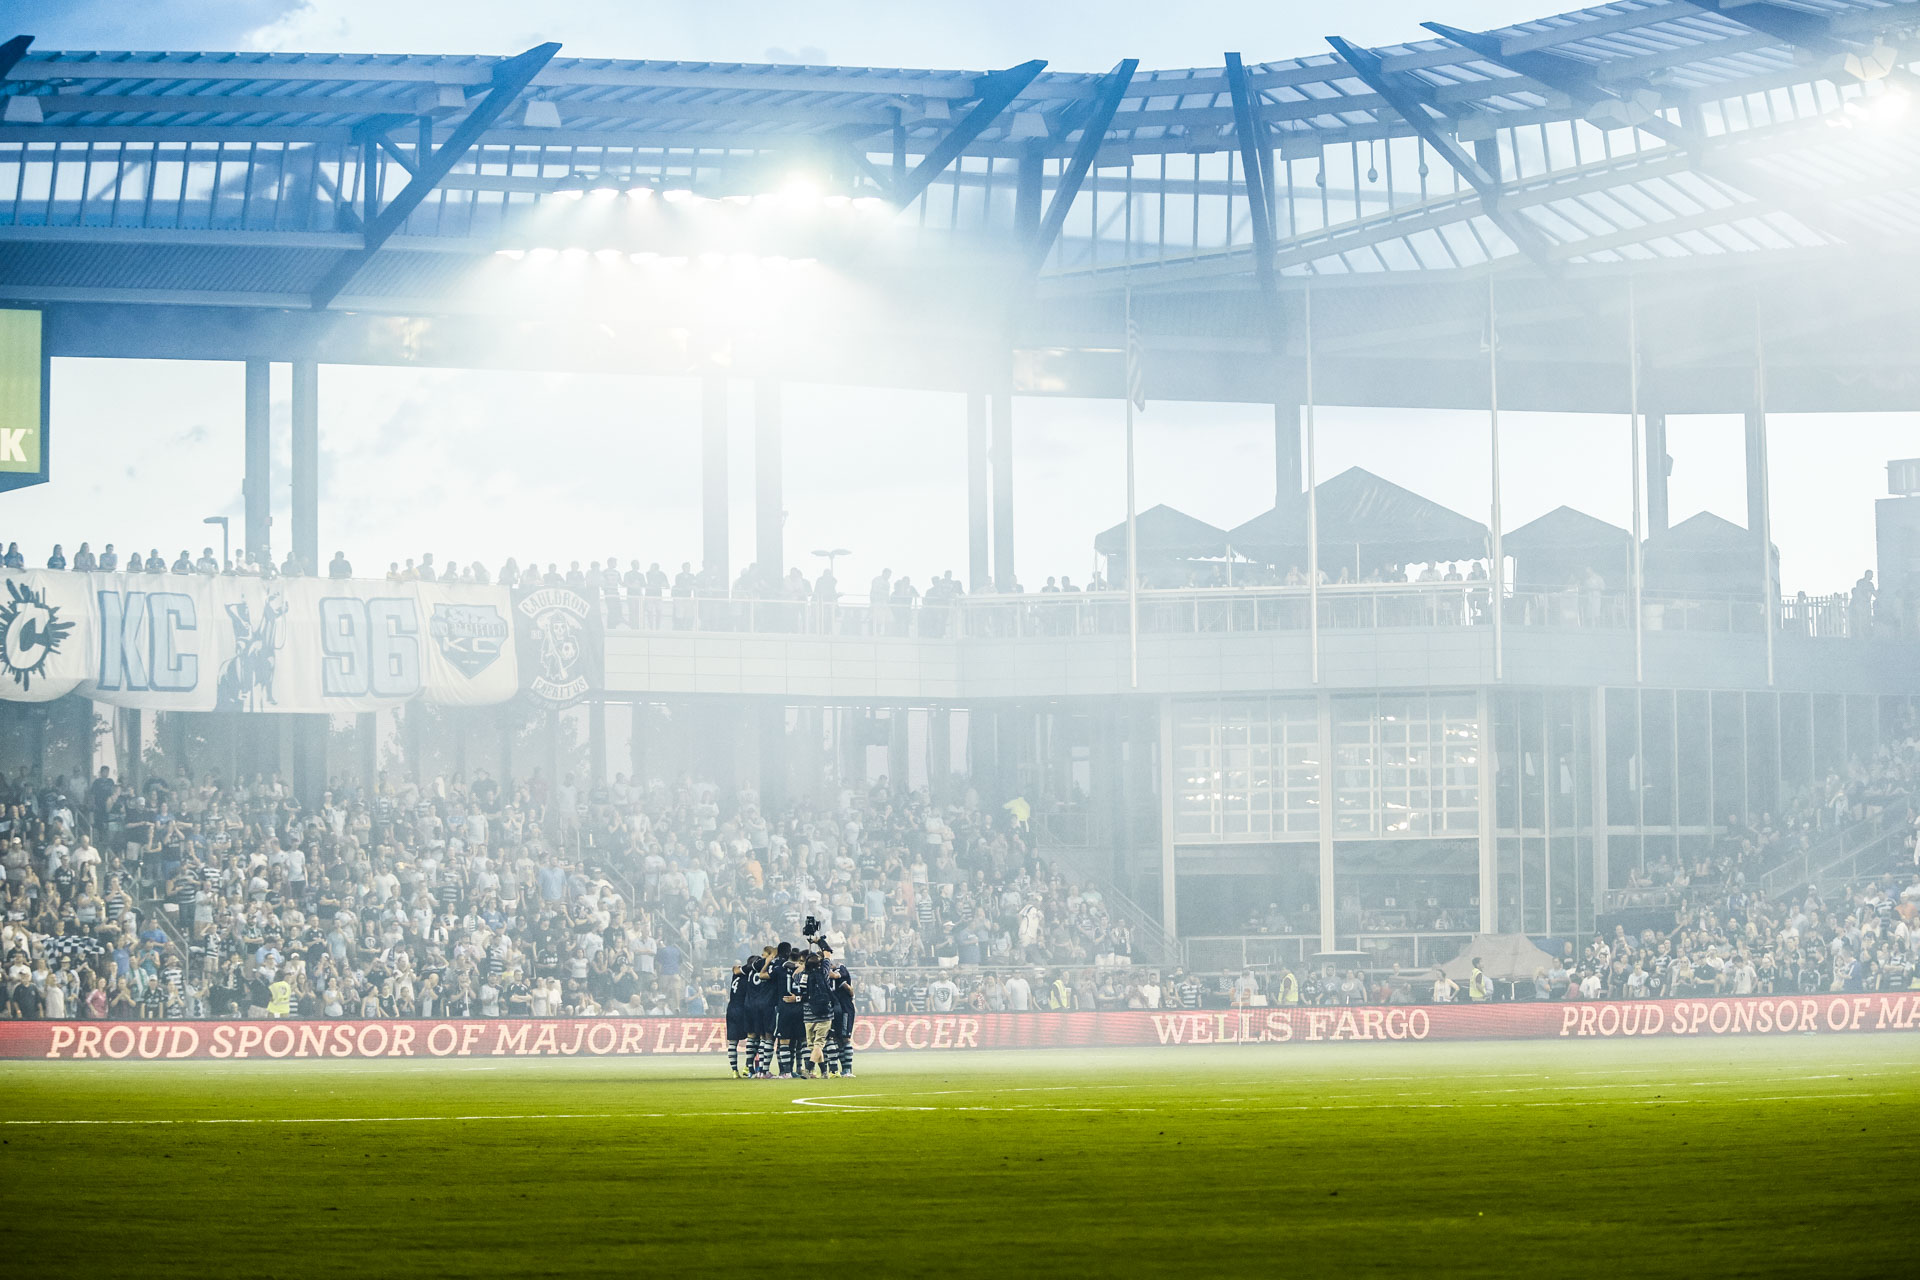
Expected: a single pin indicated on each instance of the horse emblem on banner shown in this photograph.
(246, 679)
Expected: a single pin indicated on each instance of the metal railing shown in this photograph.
(1386, 951)
(1841, 848)
(1641, 898)
(1149, 939)
(1869, 857)
(1205, 610)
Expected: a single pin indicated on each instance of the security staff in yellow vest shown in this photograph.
(1479, 988)
(280, 998)
(1287, 990)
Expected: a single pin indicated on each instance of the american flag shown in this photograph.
(1136, 388)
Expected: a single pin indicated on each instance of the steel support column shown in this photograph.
(770, 728)
(596, 743)
(1001, 458)
(367, 737)
(307, 736)
(939, 754)
(1169, 878)
(1329, 917)
(1760, 521)
(979, 568)
(1489, 864)
(1659, 468)
(713, 476)
(256, 487)
(769, 510)
(1288, 459)
(1597, 788)
(133, 768)
(305, 469)
(898, 748)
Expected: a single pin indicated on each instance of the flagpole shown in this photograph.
(1768, 605)
(1637, 565)
(1133, 546)
(1496, 579)
(1313, 480)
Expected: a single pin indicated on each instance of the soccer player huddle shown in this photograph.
(791, 1008)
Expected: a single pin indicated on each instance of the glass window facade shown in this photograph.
(1406, 765)
(1543, 787)
(1654, 773)
(1681, 764)
(1246, 769)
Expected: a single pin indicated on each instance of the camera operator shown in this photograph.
(817, 1011)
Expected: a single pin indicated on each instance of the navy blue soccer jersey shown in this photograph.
(763, 985)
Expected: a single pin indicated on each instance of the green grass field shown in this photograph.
(1698, 1158)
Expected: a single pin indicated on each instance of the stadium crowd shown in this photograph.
(476, 899)
(758, 600)
(468, 897)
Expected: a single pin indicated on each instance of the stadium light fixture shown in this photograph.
(832, 556)
(541, 114)
(226, 538)
(1875, 63)
(800, 190)
(1890, 104)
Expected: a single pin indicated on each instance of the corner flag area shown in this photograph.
(1496, 1159)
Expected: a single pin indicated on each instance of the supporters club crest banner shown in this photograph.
(560, 644)
(167, 642)
(46, 634)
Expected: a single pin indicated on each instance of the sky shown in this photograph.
(417, 460)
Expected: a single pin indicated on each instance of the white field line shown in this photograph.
(820, 1106)
(845, 1102)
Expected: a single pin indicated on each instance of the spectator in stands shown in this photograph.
(1860, 607)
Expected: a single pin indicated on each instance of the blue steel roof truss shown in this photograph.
(1576, 106)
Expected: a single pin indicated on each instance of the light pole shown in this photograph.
(831, 556)
(226, 543)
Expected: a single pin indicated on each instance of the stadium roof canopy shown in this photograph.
(1746, 163)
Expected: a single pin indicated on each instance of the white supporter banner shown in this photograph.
(46, 634)
(298, 645)
(470, 660)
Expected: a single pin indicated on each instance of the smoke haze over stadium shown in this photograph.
(422, 460)
(1437, 790)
